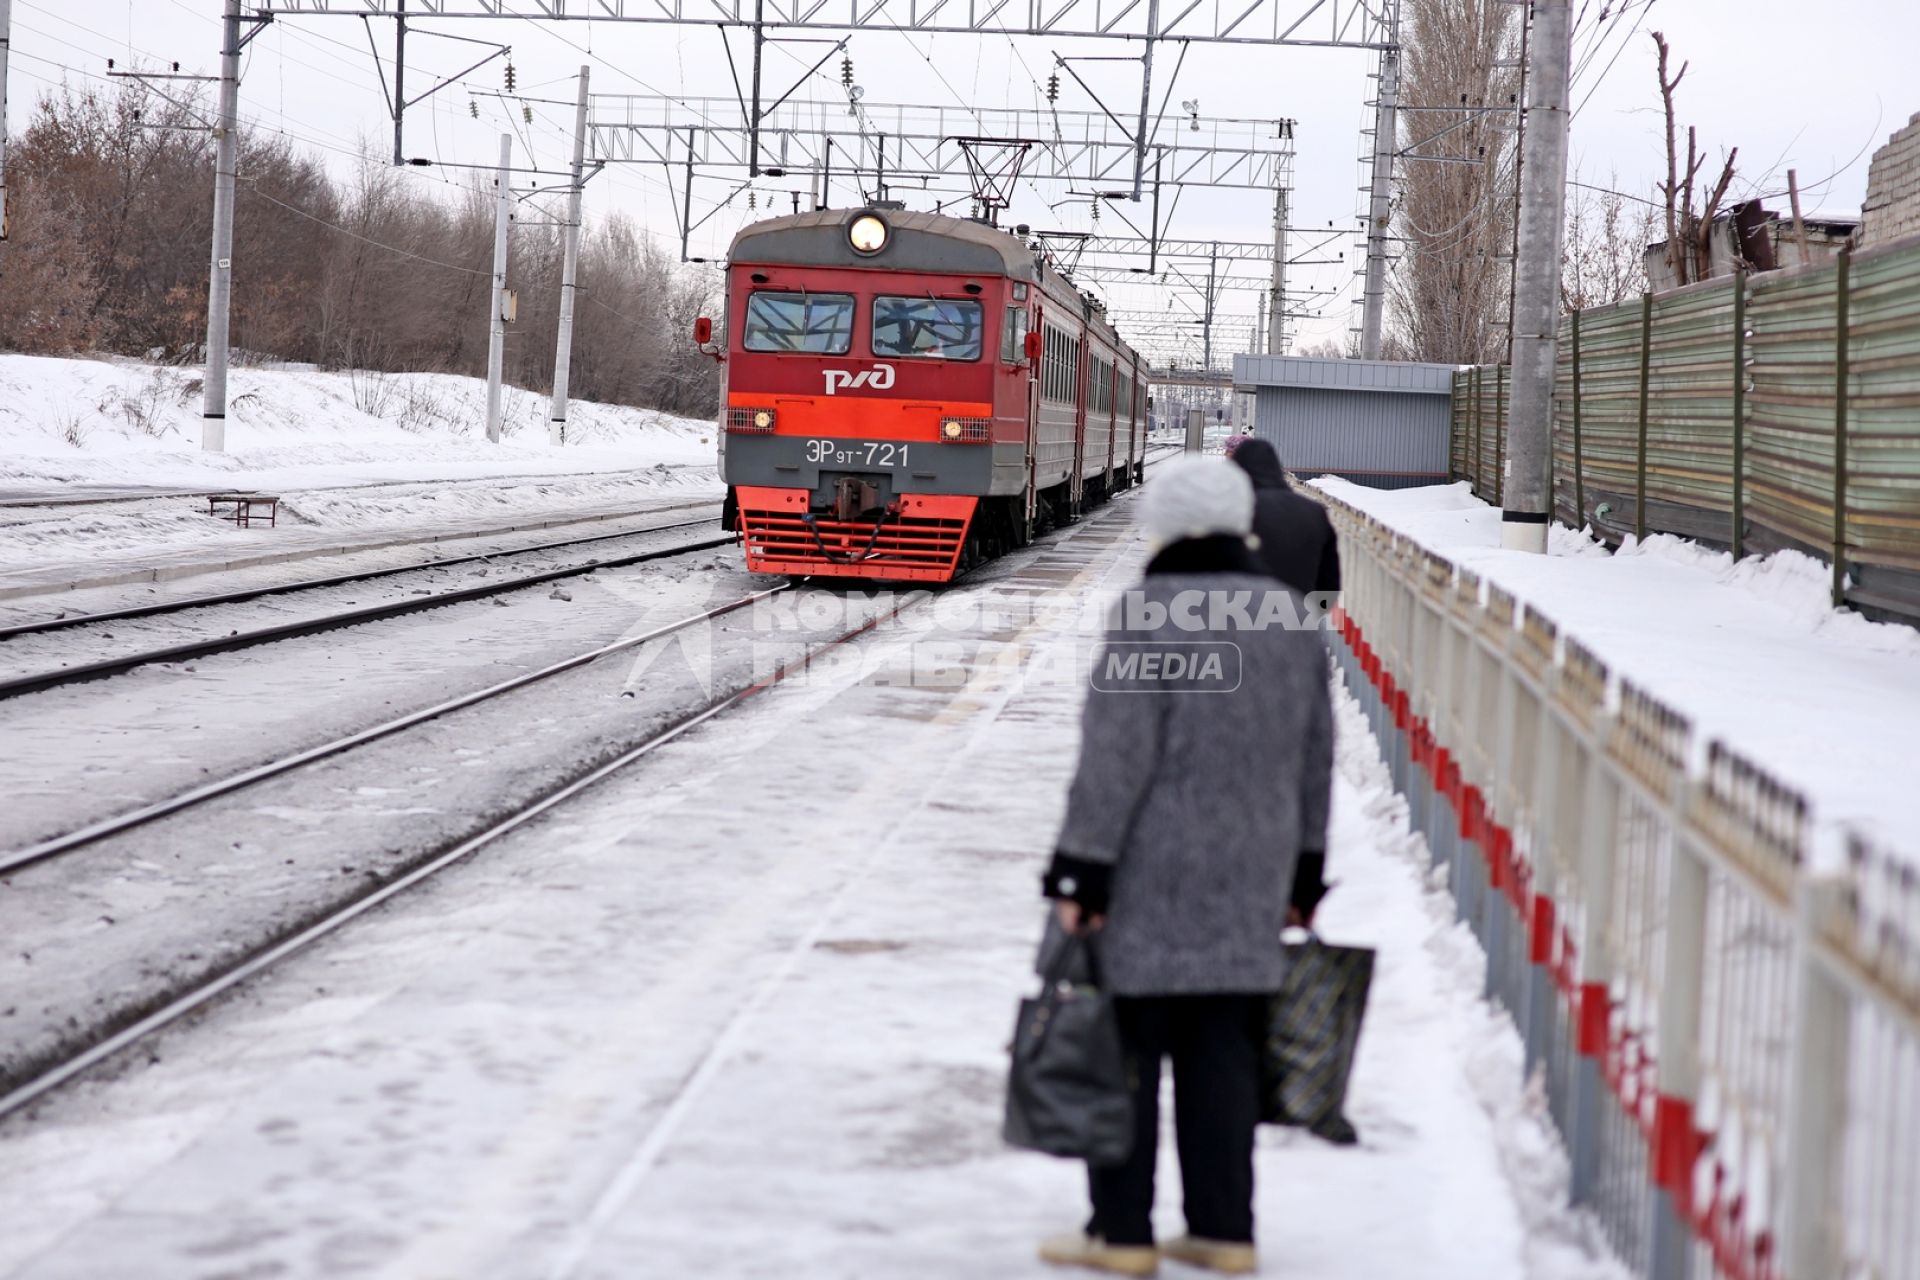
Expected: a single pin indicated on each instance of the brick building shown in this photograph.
(1893, 187)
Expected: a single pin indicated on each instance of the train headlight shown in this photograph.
(751, 419)
(867, 233)
(966, 430)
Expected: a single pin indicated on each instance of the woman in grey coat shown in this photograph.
(1200, 785)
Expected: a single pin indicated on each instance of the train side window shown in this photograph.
(1013, 335)
(819, 324)
(936, 328)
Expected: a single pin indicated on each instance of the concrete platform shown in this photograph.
(744, 1013)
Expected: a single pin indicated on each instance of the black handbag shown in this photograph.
(1313, 1028)
(1069, 1090)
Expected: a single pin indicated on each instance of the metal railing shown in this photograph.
(1754, 412)
(1729, 1038)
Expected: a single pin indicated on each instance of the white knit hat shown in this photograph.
(1195, 497)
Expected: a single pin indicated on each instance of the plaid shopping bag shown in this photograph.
(1313, 1028)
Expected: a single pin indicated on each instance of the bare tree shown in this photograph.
(1325, 349)
(1603, 259)
(1449, 296)
(1689, 246)
(47, 289)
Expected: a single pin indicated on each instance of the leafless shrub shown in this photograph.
(374, 391)
(421, 409)
(142, 405)
(72, 428)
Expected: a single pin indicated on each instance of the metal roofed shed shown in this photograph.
(1381, 423)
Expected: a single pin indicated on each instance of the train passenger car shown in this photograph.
(906, 394)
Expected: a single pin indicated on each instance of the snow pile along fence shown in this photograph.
(1726, 1020)
(1756, 412)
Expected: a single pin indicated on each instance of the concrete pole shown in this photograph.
(1146, 101)
(1536, 303)
(399, 76)
(213, 404)
(1386, 133)
(1277, 291)
(753, 120)
(1206, 324)
(569, 269)
(6, 31)
(497, 330)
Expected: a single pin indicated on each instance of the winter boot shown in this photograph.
(1229, 1257)
(1095, 1254)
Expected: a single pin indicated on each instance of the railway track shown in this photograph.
(34, 682)
(32, 1080)
(98, 497)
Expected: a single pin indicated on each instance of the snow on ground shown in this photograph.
(743, 1012)
(1753, 653)
(110, 422)
(353, 455)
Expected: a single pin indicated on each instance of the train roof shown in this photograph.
(919, 242)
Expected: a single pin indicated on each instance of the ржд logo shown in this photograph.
(880, 377)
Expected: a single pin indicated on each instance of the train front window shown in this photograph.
(815, 324)
(938, 328)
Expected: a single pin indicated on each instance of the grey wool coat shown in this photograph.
(1200, 799)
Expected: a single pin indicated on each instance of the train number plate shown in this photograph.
(856, 453)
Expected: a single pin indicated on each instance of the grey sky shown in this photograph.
(1814, 88)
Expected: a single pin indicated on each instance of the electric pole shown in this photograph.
(1146, 99)
(6, 32)
(1206, 330)
(399, 76)
(1386, 133)
(569, 269)
(213, 404)
(1536, 305)
(497, 330)
(1277, 292)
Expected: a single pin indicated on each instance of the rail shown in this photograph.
(1724, 1012)
(233, 642)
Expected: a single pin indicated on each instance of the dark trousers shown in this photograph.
(1214, 1042)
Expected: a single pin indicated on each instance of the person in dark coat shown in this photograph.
(1297, 543)
(1190, 808)
(1297, 546)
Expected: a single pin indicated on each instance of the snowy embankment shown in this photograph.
(350, 453)
(1752, 653)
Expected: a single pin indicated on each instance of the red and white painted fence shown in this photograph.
(1729, 1039)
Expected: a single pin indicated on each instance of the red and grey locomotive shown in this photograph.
(908, 393)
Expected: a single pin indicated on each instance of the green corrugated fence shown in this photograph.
(1816, 449)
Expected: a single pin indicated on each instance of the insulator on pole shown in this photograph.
(846, 73)
(509, 77)
(473, 108)
(1053, 87)
(526, 113)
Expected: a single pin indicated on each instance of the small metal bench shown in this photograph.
(245, 508)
